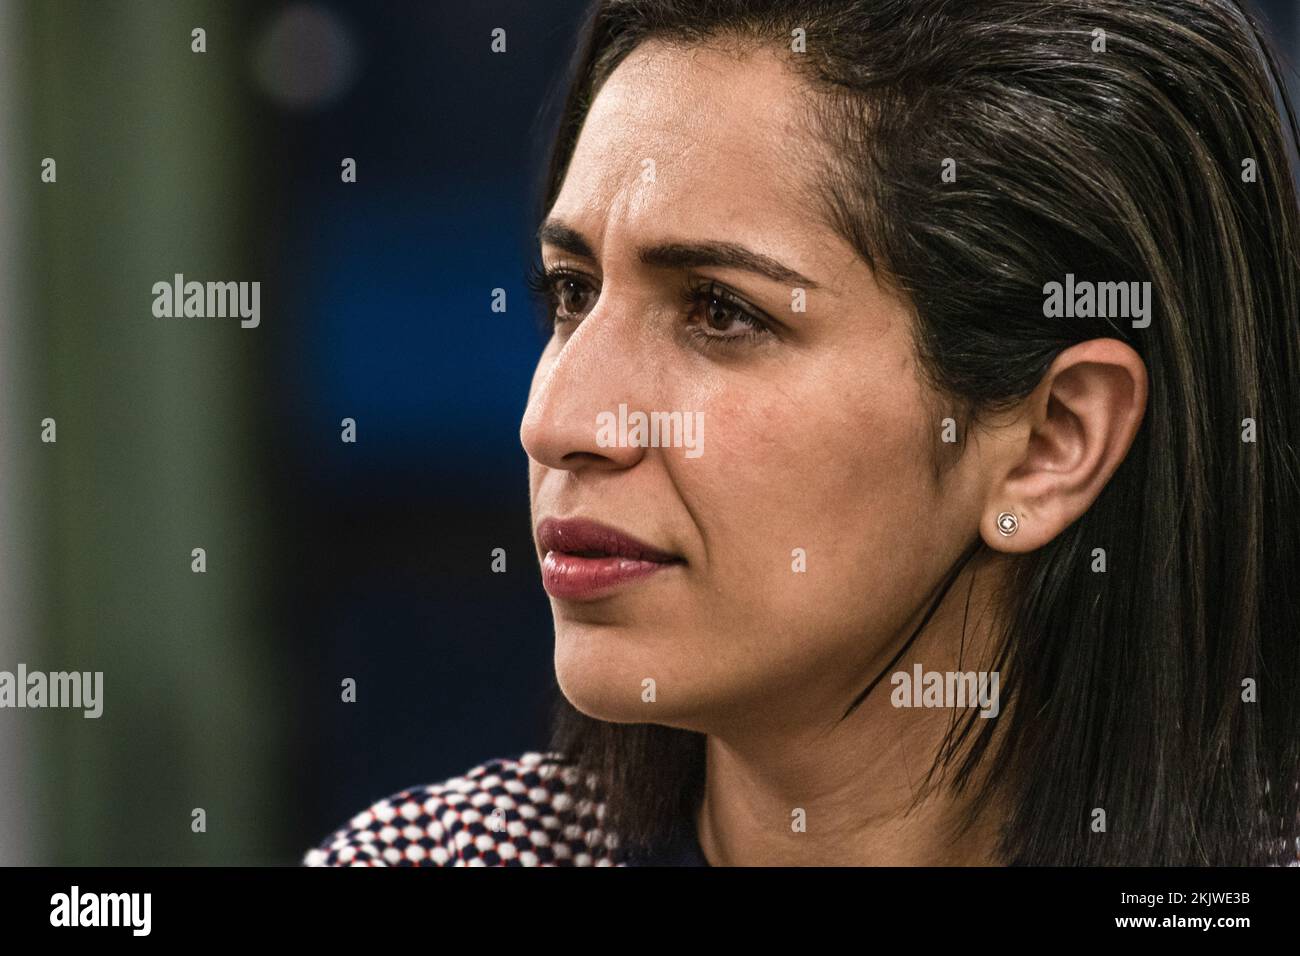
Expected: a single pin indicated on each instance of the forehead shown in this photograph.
(725, 143)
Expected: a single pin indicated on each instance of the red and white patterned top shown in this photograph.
(505, 812)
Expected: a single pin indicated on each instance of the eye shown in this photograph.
(719, 317)
(715, 315)
(561, 292)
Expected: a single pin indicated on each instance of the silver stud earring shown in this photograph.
(1007, 524)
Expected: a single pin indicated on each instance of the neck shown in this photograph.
(818, 791)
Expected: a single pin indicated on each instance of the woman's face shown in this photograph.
(817, 431)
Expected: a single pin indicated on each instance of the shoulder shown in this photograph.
(518, 811)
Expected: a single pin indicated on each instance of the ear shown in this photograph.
(1049, 462)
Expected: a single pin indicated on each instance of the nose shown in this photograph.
(594, 372)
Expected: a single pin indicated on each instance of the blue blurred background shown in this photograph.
(325, 560)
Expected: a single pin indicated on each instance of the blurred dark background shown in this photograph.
(325, 560)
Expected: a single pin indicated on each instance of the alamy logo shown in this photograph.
(55, 689)
(1100, 300)
(652, 430)
(102, 909)
(208, 300)
(946, 689)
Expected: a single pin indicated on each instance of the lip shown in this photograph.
(570, 571)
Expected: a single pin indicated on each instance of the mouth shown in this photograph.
(585, 560)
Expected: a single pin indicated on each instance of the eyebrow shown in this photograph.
(682, 255)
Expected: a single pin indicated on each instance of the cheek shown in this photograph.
(811, 472)
(840, 470)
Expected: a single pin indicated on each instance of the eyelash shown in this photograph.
(542, 281)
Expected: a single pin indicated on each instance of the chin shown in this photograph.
(601, 672)
(600, 679)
